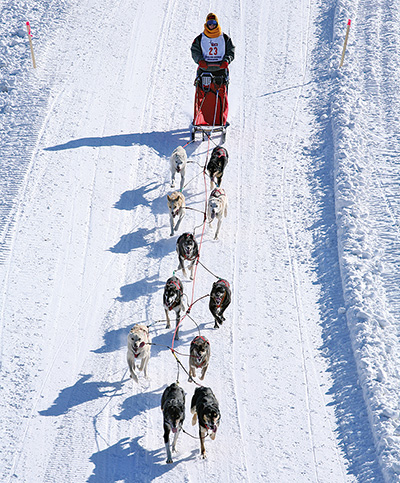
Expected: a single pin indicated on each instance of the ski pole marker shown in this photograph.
(345, 42)
(28, 28)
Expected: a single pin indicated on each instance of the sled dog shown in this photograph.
(216, 165)
(199, 356)
(173, 408)
(173, 300)
(139, 341)
(178, 161)
(205, 406)
(187, 249)
(176, 206)
(217, 208)
(220, 298)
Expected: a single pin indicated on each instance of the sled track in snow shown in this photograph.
(287, 214)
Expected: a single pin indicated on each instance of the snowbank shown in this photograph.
(372, 326)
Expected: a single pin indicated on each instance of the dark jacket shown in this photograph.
(197, 53)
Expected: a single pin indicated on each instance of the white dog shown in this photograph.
(176, 206)
(139, 342)
(217, 207)
(178, 163)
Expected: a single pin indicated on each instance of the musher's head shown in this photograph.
(212, 25)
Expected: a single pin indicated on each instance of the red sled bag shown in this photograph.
(211, 103)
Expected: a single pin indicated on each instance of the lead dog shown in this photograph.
(173, 300)
(217, 208)
(216, 165)
(139, 341)
(199, 356)
(176, 206)
(187, 249)
(220, 298)
(178, 161)
(205, 406)
(173, 408)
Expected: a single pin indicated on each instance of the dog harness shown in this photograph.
(220, 153)
(224, 282)
(200, 337)
(217, 192)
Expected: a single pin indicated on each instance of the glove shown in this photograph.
(224, 65)
(203, 64)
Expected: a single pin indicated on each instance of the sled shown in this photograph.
(210, 104)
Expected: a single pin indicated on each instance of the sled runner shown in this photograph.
(210, 104)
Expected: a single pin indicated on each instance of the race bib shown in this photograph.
(213, 49)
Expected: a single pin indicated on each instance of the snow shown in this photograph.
(305, 367)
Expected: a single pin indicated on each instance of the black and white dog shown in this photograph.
(173, 408)
(216, 165)
(187, 249)
(205, 406)
(173, 300)
(220, 298)
(199, 356)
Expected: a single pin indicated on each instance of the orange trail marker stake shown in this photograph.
(345, 42)
(28, 28)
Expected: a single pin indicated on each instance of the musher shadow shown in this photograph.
(163, 142)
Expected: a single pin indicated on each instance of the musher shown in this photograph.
(213, 50)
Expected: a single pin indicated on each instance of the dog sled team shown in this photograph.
(204, 404)
(212, 50)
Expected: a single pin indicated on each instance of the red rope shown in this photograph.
(200, 245)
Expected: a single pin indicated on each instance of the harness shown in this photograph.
(218, 192)
(176, 283)
(224, 282)
(220, 153)
(200, 337)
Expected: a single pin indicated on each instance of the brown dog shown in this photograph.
(176, 206)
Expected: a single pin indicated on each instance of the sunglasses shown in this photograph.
(211, 23)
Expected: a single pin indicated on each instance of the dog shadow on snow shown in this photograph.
(129, 461)
(142, 238)
(163, 142)
(129, 200)
(139, 403)
(82, 392)
(144, 287)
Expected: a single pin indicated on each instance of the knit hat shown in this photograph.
(214, 33)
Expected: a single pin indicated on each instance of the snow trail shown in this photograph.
(86, 249)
